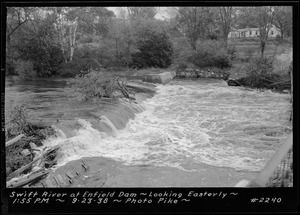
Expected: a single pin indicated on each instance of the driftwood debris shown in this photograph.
(27, 179)
(12, 141)
(123, 89)
(45, 157)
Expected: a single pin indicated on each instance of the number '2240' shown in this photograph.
(270, 200)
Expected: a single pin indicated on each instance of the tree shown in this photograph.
(194, 22)
(264, 17)
(227, 15)
(122, 12)
(41, 47)
(120, 32)
(283, 20)
(16, 18)
(155, 49)
(142, 12)
(245, 17)
(73, 22)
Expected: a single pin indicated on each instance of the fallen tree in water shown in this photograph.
(260, 75)
(100, 84)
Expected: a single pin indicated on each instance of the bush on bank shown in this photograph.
(18, 121)
(209, 53)
(155, 50)
(25, 69)
(259, 74)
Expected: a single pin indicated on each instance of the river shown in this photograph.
(190, 133)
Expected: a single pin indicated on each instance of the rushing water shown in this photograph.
(186, 123)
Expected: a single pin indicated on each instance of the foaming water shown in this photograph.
(188, 123)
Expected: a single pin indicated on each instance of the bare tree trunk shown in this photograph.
(262, 48)
(117, 50)
(281, 36)
(72, 35)
(194, 42)
(225, 41)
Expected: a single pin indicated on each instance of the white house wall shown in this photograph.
(253, 33)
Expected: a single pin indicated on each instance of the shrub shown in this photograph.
(249, 52)
(211, 46)
(138, 61)
(97, 84)
(77, 66)
(259, 73)
(10, 67)
(207, 59)
(25, 69)
(212, 36)
(278, 38)
(210, 54)
(17, 121)
(155, 50)
(185, 56)
(231, 51)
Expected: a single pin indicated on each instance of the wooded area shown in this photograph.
(63, 41)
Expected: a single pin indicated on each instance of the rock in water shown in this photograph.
(232, 82)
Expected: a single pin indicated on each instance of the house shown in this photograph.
(251, 32)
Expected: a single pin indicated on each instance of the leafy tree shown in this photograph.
(283, 20)
(17, 18)
(123, 33)
(194, 22)
(74, 22)
(245, 17)
(142, 12)
(263, 18)
(227, 16)
(155, 50)
(42, 49)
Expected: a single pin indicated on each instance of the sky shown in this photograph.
(162, 14)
